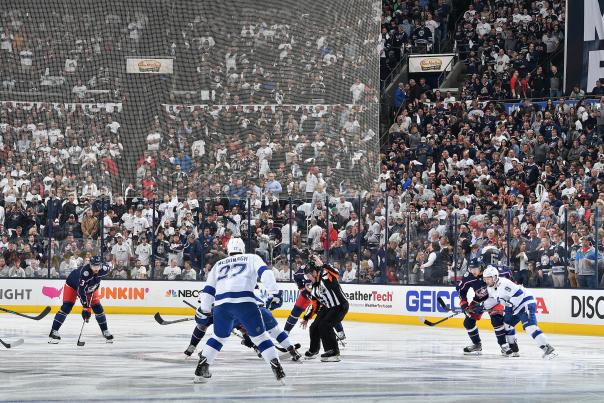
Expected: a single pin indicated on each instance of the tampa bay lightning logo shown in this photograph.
(85, 273)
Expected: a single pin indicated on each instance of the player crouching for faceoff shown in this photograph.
(230, 288)
(83, 283)
(475, 308)
(332, 307)
(520, 307)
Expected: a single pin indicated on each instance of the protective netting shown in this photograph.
(285, 88)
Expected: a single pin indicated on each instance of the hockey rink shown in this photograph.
(379, 363)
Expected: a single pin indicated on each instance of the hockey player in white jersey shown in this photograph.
(230, 289)
(520, 307)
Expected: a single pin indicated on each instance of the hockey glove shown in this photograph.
(86, 315)
(201, 316)
(497, 310)
(275, 301)
(474, 311)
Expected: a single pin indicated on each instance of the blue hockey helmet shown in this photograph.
(95, 261)
(475, 262)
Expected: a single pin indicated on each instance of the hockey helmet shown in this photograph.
(95, 261)
(235, 245)
(491, 272)
(475, 262)
(311, 266)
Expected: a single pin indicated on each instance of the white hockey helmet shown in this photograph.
(491, 271)
(235, 245)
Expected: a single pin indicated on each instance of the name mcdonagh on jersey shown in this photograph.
(235, 259)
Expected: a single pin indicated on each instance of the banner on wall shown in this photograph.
(584, 47)
(557, 306)
(431, 63)
(149, 66)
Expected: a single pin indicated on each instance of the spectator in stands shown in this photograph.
(172, 271)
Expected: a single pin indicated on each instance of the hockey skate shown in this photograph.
(474, 349)
(506, 350)
(54, 337)
(202, 372)
(108, 336)
(549, 352)
(330, 356)
(278, 370)
(190, 350)
(309, 355)
(515, 350)
(294, 353)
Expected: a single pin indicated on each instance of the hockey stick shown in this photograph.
(13, 344)
(427, 322)
(187, 303)
(161, 321)
(38, 317)
(446, 308)
(279, 348)
(443, 305)
(80, 343)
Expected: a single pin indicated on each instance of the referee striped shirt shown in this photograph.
(328, 290)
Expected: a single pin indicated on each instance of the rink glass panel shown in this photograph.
(377, 254)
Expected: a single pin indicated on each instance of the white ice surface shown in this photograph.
(380, 363)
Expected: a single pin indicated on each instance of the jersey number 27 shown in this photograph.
(225, 271)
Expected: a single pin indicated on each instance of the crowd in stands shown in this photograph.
(411, 27)
(78, 50)
(507, 49)
(462, 177)
(271, 151)
(276, 55)
(540, 162)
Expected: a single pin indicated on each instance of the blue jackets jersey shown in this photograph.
(300, 278)
(481, 293)
(85, 282)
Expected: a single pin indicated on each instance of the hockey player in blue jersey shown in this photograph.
(520, 307)
(83, 283)
(475, 308)
(230, 289)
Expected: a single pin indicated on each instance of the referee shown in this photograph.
(331, 306)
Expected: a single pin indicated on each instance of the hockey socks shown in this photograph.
(338, 327)
(265, 347)
(101, 319)
(474, 336)
(197, 335)
(500, 333)
(212, 348)
(59, 319)
(293, 318)
(61, 315)
(281, 337)
(537, 335)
